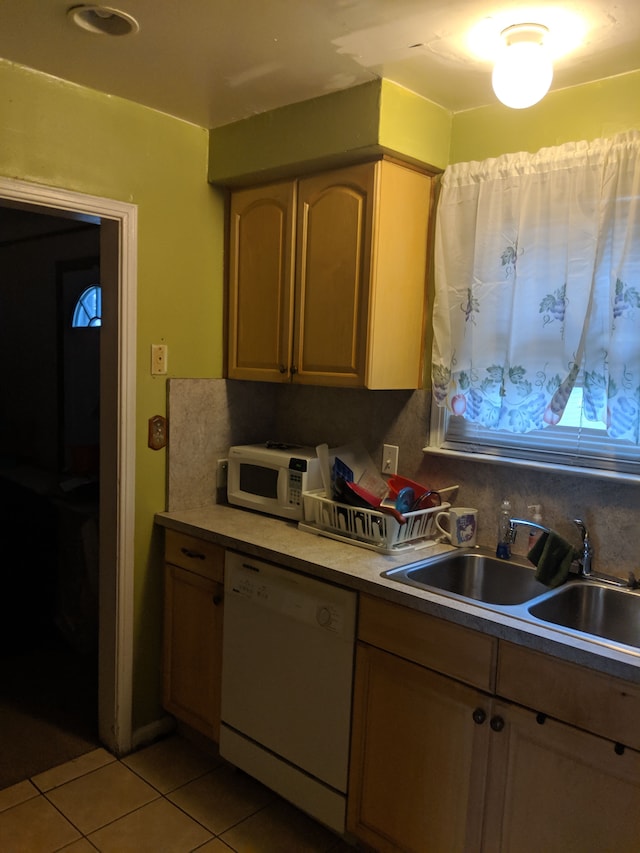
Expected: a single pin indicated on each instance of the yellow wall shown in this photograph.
(62, 135)
(414, 127)
(582, 112)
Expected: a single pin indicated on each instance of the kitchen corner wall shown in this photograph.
(208, 415)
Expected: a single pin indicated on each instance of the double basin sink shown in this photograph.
(608, 612)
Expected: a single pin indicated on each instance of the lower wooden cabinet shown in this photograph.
(193, 612)
(554, 788)
(439, 765)
(418, 760)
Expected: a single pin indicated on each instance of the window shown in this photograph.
(537, 311)
(88, 309)
(573, 442)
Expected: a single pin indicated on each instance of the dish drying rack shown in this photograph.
(368, 528)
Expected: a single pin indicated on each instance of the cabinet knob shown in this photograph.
(497, 724)
(541, 719)
(294, 369)
(282, 368)
(217, 599)
(619, 749)
(479, 716)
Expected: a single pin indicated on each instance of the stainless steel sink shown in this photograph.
(476, 575)
(604, 611)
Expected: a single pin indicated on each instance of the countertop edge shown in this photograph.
(360, 569)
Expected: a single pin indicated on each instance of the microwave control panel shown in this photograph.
(294, 489)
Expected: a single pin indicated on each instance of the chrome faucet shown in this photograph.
(587, 549)
(585, 559)
(514, 522)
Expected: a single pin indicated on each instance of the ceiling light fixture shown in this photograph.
(102, 20)
(523, 70)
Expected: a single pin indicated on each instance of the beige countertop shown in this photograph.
(281, 542)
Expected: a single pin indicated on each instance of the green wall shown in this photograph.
(62, 135)
(381, 116)
(590, 111)
(334, 129)
(66, 136)
(414, 127)
(318, 131)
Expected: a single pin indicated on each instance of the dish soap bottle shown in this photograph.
(503, 549)
(535, 513)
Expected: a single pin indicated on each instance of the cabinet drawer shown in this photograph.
(197, 555)
(593, 701)
(435, 643)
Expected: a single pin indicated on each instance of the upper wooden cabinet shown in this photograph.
(327, 278)
(261, 264)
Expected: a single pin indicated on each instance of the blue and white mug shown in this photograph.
(462, 525)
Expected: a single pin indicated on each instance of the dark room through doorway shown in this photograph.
(49, 489)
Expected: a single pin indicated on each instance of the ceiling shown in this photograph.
(212, 62)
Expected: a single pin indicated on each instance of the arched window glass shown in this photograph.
(88, 310)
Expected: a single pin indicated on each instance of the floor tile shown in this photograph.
(15, 794)
(102, 796)
(121, 808)
(157, 826)
(280, 826)
(35, 826)
(216, 846)
(80, 846)
(222, 798)
(72, 769)
(170, 763)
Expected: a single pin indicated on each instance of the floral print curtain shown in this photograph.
(537, 272)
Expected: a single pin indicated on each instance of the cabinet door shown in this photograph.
(261, 250)
(397, 310)
(553, 787)
(418, 759)
(335, 212)
(193, 649)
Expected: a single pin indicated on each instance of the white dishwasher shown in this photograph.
(287, 671)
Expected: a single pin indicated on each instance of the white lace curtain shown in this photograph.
(537, 270)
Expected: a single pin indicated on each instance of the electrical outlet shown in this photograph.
(159, 356)
(389, 459)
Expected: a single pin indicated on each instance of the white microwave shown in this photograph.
(271, 477)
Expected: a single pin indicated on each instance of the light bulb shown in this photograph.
(523, 71)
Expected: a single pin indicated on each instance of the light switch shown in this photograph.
(390, 459)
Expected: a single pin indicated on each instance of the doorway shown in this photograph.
(103, 611)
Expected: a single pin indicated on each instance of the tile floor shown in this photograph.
(167, 798)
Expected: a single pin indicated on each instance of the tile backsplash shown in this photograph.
(206, 416)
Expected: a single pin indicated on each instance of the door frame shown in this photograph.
(118, 261)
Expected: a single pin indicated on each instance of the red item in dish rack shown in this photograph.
(425, 498)
(396, 483)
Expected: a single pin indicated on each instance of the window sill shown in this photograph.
(547, 467)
